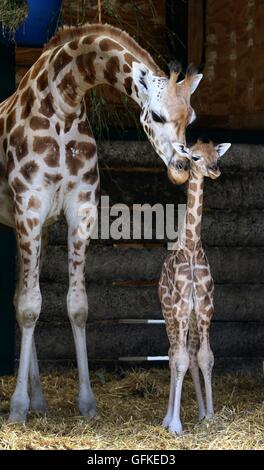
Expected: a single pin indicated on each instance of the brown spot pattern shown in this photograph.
(77, 153)
(46, 106)
(191, 200)
(24, 81)
(2, 123)
(27, 102)
(60, 62)
(26, 247)
(57, 127)
(91, 176)
(43, 81)
(193, 187)
(18, 186)
(191, 219)
(68, 87)
(37, 67)
(84, 128)
(38, 122)
(74, 44)
(89, 39)
(69, 122)
(10, 162)
(112, 67)
(71, 185)
(49, 146)
(128, 85)
(2, 172)
(52, 179)
(34, 203)
(11, 120)
(129, 58)
(109, 45)
(29, 169)
(32, 223)
(85, 64)
(19, 142)
(21, 228)
(84, 196)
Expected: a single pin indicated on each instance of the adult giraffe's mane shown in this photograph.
(70, 33)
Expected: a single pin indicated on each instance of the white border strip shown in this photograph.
(135, 321)
(143, 358)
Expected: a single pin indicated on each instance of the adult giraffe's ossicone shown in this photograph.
(48, 166)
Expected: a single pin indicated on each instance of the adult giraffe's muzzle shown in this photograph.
(178, 169)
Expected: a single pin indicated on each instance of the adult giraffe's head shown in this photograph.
(166, 112)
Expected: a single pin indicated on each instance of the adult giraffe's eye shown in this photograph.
(157, 118)
(195, 159)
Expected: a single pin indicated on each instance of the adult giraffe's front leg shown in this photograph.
(28, 299)
(77, 303)
(37, 400)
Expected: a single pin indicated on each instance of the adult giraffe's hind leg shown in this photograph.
(37, 400)
(77, 302)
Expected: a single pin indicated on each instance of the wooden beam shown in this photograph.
(177, 27)
(196, 9)
(27, 56)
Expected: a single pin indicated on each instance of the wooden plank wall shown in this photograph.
(227, 34)
(122, 277)
(232, 92)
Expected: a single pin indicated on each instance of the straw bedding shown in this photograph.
(131, 405)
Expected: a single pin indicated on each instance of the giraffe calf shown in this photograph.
(186, 291)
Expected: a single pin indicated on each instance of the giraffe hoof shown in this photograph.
(18, 411)
(175, 428)
(87, 408)
(166, 421)
(201, 416)
(39, 405)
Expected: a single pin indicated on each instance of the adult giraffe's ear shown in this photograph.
(195, 81)
(141, 75)
(192, 78)
(221, 149)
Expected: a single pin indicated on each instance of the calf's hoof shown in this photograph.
(175, 428)
(166, 421)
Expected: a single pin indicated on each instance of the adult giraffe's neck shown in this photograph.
(90, 60)
(194, 209)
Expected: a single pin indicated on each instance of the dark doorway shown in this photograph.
(7, 238)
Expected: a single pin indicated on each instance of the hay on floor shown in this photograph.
(131, 406)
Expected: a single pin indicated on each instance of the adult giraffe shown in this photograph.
(48, 165)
